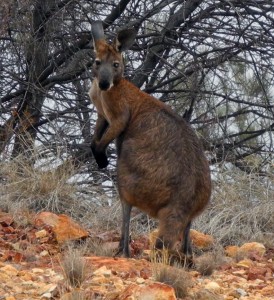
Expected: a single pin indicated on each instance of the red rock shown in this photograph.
(252, 249)
(46, 218)
(8, 229)
(145, 273)
(154, 291)
(121, 266)
(6, 219)
(231, 251)
(64, 228)
(41, 234)
(256, 273)
(201, 240)
(268, 291)
(9, 270)
(18, 257)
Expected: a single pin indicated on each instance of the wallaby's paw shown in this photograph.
(102, 161)
(101, 158)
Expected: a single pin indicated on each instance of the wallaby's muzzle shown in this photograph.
(105, 78)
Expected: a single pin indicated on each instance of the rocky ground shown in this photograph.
(32, 250)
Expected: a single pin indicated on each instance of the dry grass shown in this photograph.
(99, 248)
(208, 262)
(174, 276)
(74, 267)
(205, 264)
(26, 186)
(241, 209)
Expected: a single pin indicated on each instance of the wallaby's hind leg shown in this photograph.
(171, 226)
(186, 246)
(174, 225)
(186, 242)
(123, 249)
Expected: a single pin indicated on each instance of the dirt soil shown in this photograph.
(30, 268)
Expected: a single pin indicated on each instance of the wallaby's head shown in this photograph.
(108, 66)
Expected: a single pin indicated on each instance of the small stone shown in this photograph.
(242, 292)
(99, 280)
(237, 294)
(246, 263)
(9, 270)
(268, 291)
(25, 275)
(38, 271)
(103, 271)
(239, 272)
(256, 273)
(213, 286)
(30, 284)
(47, 296)
(118, 283)
(44, 253)
(49, 288)
(5, 219)
(41, 234)
(205, 294)
(140, 280)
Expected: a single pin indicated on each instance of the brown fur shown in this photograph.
(161, 166)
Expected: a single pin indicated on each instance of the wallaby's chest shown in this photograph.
(108, 104)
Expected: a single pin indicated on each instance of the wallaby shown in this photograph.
(161, 167)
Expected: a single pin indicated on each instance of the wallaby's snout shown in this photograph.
(105, 78)
(104, 85)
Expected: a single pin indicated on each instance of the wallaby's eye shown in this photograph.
(97, 62)
(116, 65)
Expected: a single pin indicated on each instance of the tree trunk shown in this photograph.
(36, 54)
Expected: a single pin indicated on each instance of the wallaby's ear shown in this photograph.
(97, 32)
(125, 39)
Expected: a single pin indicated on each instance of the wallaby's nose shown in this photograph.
(104, 85)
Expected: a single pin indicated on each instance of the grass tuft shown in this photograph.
(174, 276)
(206, 263)
(74, 267)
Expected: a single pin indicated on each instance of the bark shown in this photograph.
(36, 54)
